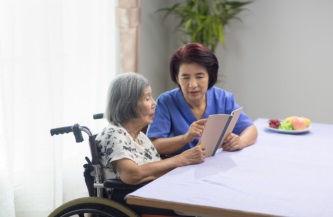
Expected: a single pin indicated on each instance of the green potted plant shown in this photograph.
(203, 21)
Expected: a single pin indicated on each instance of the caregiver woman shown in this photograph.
(180, 113)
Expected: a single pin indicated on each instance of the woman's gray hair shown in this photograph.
(124, 94)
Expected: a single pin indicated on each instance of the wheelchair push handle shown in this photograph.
(61, 130)
(76, 129)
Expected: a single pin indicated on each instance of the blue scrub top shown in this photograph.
(173, 115)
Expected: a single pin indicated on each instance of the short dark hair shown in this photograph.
(195, 53)
(124, 94)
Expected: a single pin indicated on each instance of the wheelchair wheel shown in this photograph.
(93, 207)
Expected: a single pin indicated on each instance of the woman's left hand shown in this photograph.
(232, 143)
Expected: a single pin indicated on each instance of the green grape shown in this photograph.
(285, 126)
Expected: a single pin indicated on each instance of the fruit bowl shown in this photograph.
(290, 125)
(287, 131)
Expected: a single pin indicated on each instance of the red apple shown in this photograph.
(299, 123)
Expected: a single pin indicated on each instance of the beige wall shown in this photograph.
(277, 61)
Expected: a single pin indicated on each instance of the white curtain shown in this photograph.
(56, 61)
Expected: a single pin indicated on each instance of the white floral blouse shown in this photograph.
(115, 143)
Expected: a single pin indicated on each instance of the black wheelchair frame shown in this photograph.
(106, 197)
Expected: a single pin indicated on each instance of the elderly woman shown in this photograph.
(126, 152)
(177, 124)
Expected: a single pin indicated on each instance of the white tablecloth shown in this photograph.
(281, 174)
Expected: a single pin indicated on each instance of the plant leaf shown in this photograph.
(203, 21)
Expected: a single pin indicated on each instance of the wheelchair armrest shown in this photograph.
(118, 184)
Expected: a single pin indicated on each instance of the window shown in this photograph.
(56, 61)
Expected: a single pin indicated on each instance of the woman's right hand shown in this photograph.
(194, 155)
(195, 130)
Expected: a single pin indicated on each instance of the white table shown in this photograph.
(280, 175)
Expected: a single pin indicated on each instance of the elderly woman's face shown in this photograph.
(146, 106)
(193, 80)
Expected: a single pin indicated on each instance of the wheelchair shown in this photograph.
(106, 197)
